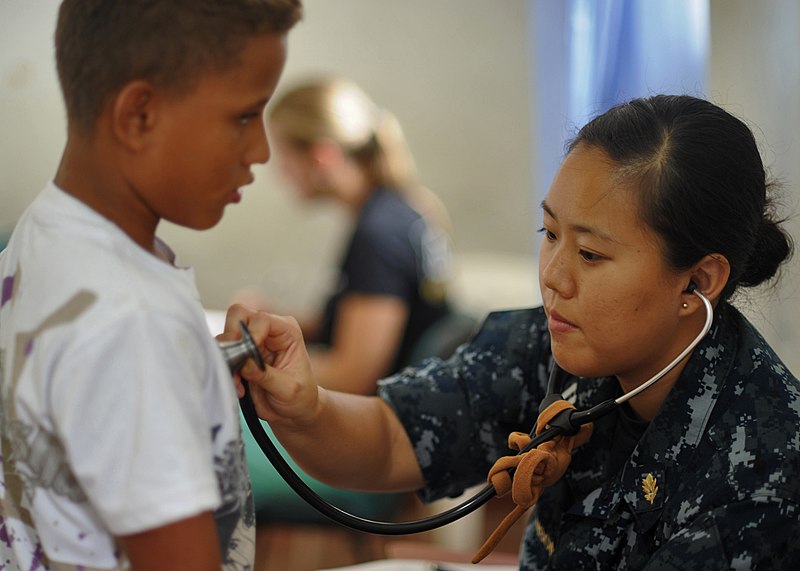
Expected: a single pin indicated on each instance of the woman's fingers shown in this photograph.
(286, 388)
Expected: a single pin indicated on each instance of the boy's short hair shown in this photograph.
(103, 44)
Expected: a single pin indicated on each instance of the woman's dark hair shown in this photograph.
(701, 182)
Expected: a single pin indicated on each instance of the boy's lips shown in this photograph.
(558, 323)
(236, 193)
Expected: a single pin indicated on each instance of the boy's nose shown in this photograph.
(259, 151)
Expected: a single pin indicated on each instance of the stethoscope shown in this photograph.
(566, 423)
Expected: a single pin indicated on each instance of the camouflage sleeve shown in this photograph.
(758, 533)
(458, 413)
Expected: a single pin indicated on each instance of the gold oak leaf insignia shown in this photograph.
(650, 487)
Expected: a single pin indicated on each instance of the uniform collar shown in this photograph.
(676, 430)
(672, 437)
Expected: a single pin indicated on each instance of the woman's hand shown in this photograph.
(286, 390)
(341, 439)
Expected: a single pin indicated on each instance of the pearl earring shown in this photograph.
(685, 305)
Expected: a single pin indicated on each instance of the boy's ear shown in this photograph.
(133, 114)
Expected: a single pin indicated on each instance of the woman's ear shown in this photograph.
(133, 114)
(710, 276)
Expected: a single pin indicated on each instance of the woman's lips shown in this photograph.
(558, 324)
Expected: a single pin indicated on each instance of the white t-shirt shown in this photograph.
(117, 411)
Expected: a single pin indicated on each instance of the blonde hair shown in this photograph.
(338, 110)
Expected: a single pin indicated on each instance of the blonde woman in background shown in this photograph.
(331, 141)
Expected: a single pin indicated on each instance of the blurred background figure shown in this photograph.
(332, 142)
(390, 306)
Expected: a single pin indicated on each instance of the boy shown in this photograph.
(120, 434)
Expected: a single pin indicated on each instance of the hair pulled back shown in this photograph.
(701, 183)
(338, 110)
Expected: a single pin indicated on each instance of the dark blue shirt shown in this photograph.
(393, 252)
(713, 482)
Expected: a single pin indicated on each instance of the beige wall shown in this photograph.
(439, 66)
(456, 72)
(755, 74)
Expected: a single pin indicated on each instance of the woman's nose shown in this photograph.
(554, 273)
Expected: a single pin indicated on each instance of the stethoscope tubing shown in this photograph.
(353, 521)
(681, 356)
(563, 424)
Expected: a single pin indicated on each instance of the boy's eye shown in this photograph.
(247, 117)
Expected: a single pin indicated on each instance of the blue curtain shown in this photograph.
(591, 54)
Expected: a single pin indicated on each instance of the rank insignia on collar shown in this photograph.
(650, 488)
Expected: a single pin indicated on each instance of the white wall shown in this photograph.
(31, 112)
(755, 74)
(456, 73)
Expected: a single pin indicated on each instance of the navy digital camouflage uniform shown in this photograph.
(713, 483)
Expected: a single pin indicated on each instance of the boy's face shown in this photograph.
(206, 140)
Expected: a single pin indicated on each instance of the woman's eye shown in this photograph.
(589, 256)
(547, 234)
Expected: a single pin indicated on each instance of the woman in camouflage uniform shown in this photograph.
(699, 471)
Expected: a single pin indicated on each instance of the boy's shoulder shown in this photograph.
(60, 236)
(61, 246)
